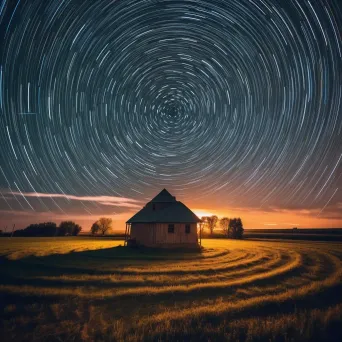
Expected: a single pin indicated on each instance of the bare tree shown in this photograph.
(13, 230)
(104, 224)
(204, 224)
(212, 220)
(224, 223)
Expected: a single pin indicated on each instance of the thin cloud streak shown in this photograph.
(104, 200)
(74, 216)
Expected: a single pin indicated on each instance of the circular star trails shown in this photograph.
(239, 98)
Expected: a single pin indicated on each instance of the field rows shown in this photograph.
(121, 294)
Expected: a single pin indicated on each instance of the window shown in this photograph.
(171, 228)
(187, 228)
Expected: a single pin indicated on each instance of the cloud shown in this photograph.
(48, 215)
(104, 200)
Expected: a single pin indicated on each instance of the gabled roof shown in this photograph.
(163, 196)
(175, 212)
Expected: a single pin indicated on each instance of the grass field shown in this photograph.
(71, 289)
(316, 234)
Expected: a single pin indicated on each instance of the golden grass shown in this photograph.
(85, 289)
(17, 248)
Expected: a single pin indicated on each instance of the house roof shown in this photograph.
(175, 212)
(163, 197)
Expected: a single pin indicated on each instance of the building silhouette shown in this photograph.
(163, 222)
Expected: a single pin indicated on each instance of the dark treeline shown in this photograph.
(66, 228)
(232, 228)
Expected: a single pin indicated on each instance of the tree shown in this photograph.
(224, 223)
(235, 228)
(204, 224)
(69, 228)
(105, 224)
(210, 222)
(95, 228)
(232, 228)
(38, 229)
(200, 227)
(239, 229)
(77, 230)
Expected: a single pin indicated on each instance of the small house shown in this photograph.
(163, 222)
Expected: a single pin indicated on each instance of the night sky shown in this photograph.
(234, 106)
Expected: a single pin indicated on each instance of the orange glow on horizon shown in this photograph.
(274, 218)
(202, 212)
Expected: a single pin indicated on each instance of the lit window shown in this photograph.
(171, 228)
(187, 228)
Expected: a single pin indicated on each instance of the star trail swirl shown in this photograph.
(233, 100)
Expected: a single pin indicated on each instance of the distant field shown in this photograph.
(72, 289)
(324, 231)
(332, 234)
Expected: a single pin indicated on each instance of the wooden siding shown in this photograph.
(150, 234)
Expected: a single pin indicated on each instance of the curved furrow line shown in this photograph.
(253, 267)
(201, 263)
(302, 280)
(170, 263)
(289, 272)
(306, 293)
(216, 286)
(299, 282)
(245, 269)
(167, 269)
(179, 260)
(156, 291)
(159, 280)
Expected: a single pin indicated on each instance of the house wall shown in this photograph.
(143, 233)
(150, 234)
